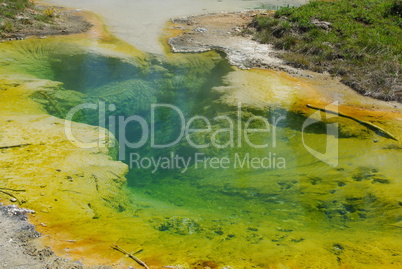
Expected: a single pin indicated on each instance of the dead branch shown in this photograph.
(365, 123)
(9, 194)
(7, 189)
(14, 146)
(6, 192)
(116, 247)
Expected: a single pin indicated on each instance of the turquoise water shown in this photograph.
(255, 204)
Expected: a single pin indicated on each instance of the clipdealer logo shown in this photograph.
(237, 132)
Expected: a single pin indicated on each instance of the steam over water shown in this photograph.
(140, 22)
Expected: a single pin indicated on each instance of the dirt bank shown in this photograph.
(42, 21)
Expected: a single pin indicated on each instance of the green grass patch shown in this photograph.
(359, 40)
(10, 9)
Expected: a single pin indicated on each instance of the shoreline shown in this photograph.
(223, 32)
(235, 36)
(328, 37)
(227, 32)
(22, 246)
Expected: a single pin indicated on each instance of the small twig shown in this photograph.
(116, 247)
(9, 194)
(7, 189)
(14, 146)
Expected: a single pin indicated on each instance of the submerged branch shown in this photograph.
(14, 146)
(116, 247)
(6, 191)
(365, 123)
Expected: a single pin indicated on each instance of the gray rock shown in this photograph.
(321, 24)
(200, 30)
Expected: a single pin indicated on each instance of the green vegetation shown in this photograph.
(9, 14)
(359, 40)
(16, 15)
(270, 6)
(10, 8)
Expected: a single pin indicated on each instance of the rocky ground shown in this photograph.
(227, 32)
(19, 247)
